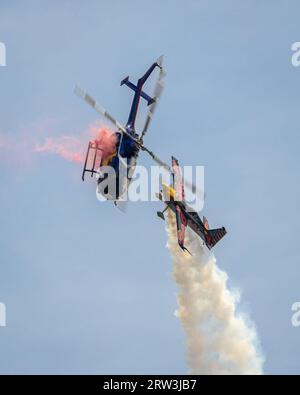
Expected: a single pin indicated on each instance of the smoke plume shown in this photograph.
(69, 148)
(73, 148)
(219, 339)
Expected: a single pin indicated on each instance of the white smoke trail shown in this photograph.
(219, 339)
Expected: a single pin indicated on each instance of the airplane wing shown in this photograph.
(177, 181)
(181, 219)
(181, 222)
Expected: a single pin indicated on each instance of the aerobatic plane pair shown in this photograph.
(128, 144)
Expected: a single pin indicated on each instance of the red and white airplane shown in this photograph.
(173, 197)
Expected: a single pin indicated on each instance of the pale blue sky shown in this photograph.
(89, 289)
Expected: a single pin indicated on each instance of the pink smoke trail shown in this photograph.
(73, 148)
(67, 147)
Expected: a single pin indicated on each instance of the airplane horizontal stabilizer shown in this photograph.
(213, 236)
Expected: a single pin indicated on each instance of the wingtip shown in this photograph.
(160, 60)
(77, 90)
(175, 159)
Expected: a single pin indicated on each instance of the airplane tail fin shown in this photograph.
(213, 236)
